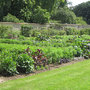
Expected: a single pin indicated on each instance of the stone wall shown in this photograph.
(17, 26)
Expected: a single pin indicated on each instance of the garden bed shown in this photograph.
(50, 67)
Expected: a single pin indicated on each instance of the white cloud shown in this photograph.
(76, 2)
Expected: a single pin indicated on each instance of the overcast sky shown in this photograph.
(76, 2)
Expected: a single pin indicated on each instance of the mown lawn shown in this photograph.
(72, 77)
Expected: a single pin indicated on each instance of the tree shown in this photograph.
(4, 7)
(83, 10)
(64, 15)
(25, 9)
(16, 6)
(46, 4)
(40, 15)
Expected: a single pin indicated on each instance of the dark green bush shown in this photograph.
(8, 66)
(64, 15)
(11, 18)
(25, 63)
(25, 30)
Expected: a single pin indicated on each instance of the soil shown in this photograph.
(50, 67)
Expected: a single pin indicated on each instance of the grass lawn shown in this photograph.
(72, 77)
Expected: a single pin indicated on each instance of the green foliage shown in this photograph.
(40, 16)
(70, 31)
(25, 30)
(38, 68)
(74, 76)
(62, 32)
(42, 37)
(85, 31)
(79, 51)
(7, 66)
(64, 15)
(4, 30)
(11, 18)
(26, 14)
(25, 63)
(83, 10)
(36, 11)
(46, 4)
(54, 50)
(79, 20)
(4, 8)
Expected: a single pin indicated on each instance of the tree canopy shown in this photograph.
(83, 10)
(24, 9)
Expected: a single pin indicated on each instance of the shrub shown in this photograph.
(87, 54)
(21, 37)
(68, 53)
(40, 15)
(4, 30)
(8, 66)
(25, 30)
(85, 31)
(79, 20)
(52, 32)
(12, 34)
(25, 63)
(79, 51)
(42, 37)
(71, 31)
(39, 58)
(11, 18)
(62, 32)
(34, 33)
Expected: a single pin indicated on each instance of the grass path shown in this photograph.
(72, 77)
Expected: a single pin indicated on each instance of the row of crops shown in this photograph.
(21, 54)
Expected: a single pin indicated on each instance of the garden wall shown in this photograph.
(39, 26)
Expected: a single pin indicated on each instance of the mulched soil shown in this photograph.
(51, 67)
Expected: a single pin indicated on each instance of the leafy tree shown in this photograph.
(40, 15)
(83, 10)
(25, 9)
(16, 6)
(61, 3)
(64, 15)
(46, 4)
(4, 7)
